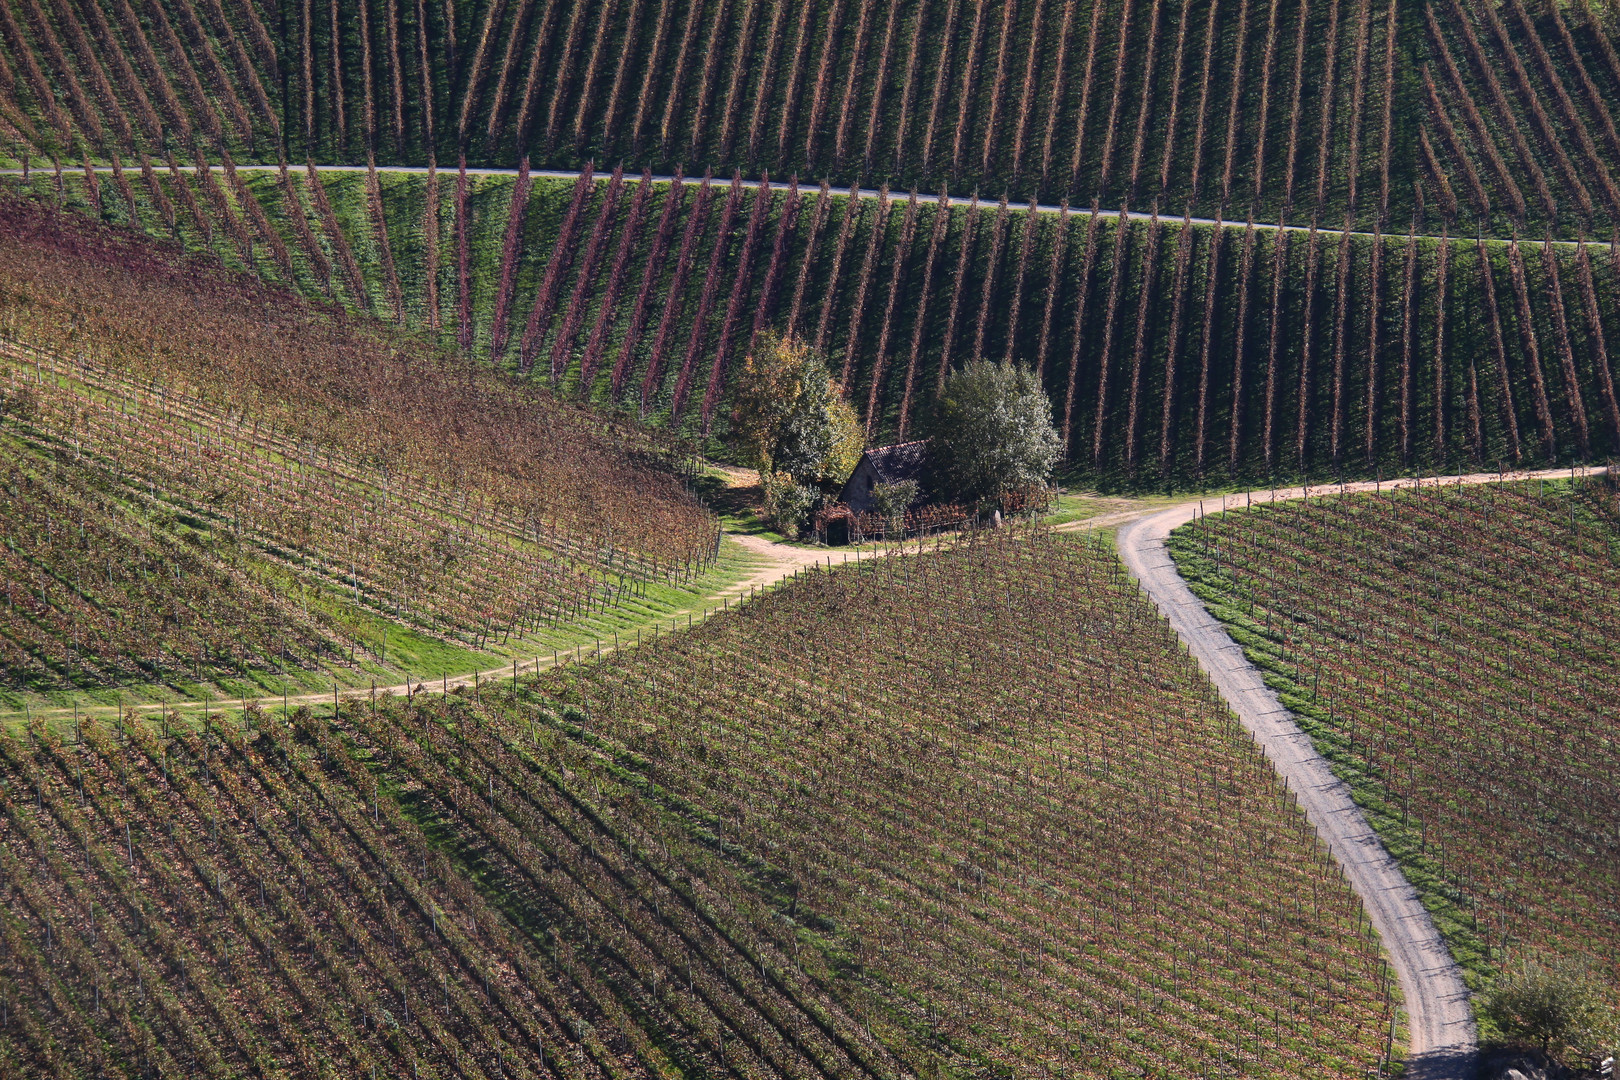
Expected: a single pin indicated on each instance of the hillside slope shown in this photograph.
(206, 475)
(1170, 351)
(960, 814)
(1449, 651)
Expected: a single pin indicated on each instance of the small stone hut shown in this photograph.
(886, 465)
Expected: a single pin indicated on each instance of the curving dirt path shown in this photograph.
(775, 563)
(1439, 1018)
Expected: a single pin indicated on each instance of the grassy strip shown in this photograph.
(410, 654)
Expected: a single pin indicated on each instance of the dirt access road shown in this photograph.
(775, 563)
(1439, 1018)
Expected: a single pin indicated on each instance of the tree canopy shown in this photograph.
(1557, 1005)
(791, 418)
(992, 433)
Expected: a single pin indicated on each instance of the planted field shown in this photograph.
(1451, 653)
(1172, 355)
(1171, 351)
(206, 476)
(944, 771)
(256, 900)
(931, 815)
(99, 593)
(1311, 110)
(269, 429)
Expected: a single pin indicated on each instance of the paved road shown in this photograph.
(873, 193)
(1437, 1008)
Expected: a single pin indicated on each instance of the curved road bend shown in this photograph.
(1439, 1018)
(873, 193)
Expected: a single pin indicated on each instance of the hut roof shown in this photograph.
(900, 462)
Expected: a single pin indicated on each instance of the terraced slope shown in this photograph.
(1449, 652)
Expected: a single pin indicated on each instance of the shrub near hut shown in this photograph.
(891, 501)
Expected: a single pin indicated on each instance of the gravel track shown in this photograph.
(1439, 1018)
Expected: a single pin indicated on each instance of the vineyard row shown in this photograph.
(1324, 110)
(1169, 348)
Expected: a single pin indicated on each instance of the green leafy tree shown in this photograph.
(790, 417)
(1559, 1006)
(992, 436)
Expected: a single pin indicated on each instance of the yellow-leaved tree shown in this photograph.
(791, 418)
(794, 426)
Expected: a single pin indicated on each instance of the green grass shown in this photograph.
(737, 506)
(411, 654)
(1071, 507)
